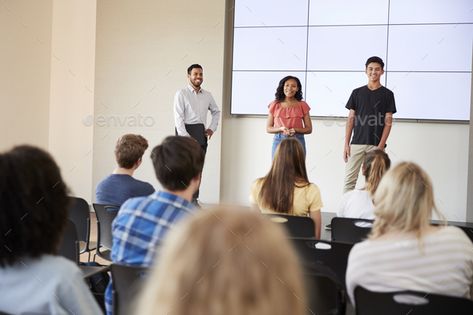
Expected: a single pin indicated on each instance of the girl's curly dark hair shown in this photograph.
(33, 204)
(280, 90)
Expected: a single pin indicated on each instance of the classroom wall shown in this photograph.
(441, 149)
(469, 205)
(25, 37)
(71, 92)
(139, 64)
(142, 54)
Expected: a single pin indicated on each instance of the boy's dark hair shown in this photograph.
(194, 66)
(129, 149)
(33, 203)
(177, 160)
(376, 60)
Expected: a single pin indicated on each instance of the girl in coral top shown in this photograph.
(288, 113)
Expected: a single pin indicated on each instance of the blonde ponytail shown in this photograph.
(375, 165)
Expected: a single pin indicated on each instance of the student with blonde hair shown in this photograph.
(286, 188)
(358, 203)
(404, 251)
(225, 261)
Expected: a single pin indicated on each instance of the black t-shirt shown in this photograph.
(370, 109)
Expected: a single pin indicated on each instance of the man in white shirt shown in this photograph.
(191, 105)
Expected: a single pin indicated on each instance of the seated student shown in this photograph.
(116, 188)
(405, 252)
(225, 261)
(33, 203)
(142, 222)
(286, 188)
(358, 203)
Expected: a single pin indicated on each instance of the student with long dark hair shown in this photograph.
(33, 203)
(288, 114)
(286, 188)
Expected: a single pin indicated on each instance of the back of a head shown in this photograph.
(404, 201)
(375, 164)
(290, 157)
(177, 160)
(225, 261)
(288, 167)
(129, 150)
(33, 203)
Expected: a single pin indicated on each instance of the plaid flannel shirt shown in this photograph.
(140, 227)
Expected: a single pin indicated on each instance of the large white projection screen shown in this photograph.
(426, 46)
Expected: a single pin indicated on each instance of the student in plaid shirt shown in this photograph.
(142, 222)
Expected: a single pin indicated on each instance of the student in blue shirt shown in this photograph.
(142, 222)
(116, 188)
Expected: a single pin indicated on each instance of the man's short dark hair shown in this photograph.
(177, 160)
(129, 149)
(376, 60)
(33, 203)
(194, 66)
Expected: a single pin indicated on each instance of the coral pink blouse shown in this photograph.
(289, 117)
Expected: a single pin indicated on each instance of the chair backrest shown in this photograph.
(105, 215)
(69, 246)
(296, 226)
(350, 230)
(79, 214)
(325, 293)
(127, 281)
(333, 255)
(409, 302)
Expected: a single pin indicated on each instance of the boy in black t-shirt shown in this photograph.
(371, 111)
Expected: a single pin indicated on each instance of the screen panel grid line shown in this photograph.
(326, 43)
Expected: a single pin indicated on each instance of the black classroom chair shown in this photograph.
(326, 295)
(409, 302)
(350, 230)
(105, 216)
(127, 282)
(69, 245)
(79, 213)
(333, 255)
(296, 226)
